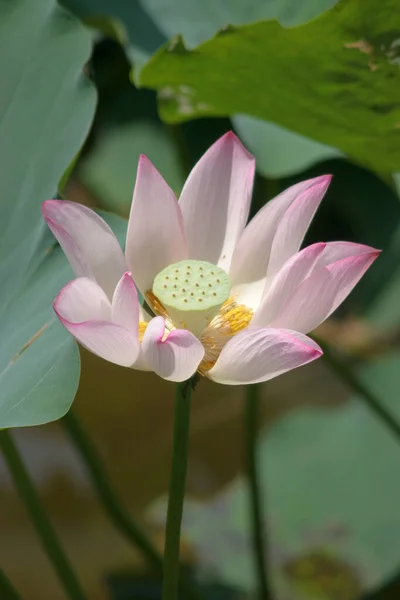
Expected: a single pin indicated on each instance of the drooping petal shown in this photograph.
(254, 249)
(156, 236)
(215, 200)
(323, 291)
(84, 310)
(88, 242)
(259, 354)
(175, 357)
(125, 304)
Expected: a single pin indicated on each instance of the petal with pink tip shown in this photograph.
(256, 245)
(84, 310)
(318, 296)
(88, 242)
(175, 357)
(215, 200)
(294, 224)
(125, 304)
(294, 271)
(156, 236)
(259, 354)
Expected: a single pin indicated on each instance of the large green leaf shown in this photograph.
(278, 151)
(198, 21)
(138, 30)
(334, 79)
(46, 108)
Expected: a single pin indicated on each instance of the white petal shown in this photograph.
(259, 354)
(215, 200)
(81, 308)
(322, 292)
(125, 304)
(253, 251)
(156, 235)
(88, 242)
(176, 357)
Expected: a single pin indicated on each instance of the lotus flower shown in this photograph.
(230, 301)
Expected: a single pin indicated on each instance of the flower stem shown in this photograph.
(176, 491)
(346, 374)
(7, 590)
(257, 528)
(37, 514)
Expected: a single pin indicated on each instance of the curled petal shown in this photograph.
(215, 200)
(125, 304)
(88, 242)
(323, 291)
(272, 236)
(84, 310)
(156, 236)
(174, 357)
(259, 354)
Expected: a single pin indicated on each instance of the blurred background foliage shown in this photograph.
(316, 90)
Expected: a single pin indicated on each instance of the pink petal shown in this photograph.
(215, 200)
(88, 242)
(156, 236)
(294, 224)
(323, 290)
(125, 304)
(175, 358)
(82, 300)
(259, 354)
(294, 271)
(259, 243)
(84, 310)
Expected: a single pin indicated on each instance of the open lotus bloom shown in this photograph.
(230, 301)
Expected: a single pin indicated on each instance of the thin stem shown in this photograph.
(346, 374)
(110, 501)
(7, 590)
(257, 530)
(176, 491)
(38, 516)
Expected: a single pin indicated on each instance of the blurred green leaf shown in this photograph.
(333, 79)
(331, 501)
(278, 151)
(109, 171)
(198, 21)
(142, 35)
(46, 108)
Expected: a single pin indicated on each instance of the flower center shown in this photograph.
(192, 292)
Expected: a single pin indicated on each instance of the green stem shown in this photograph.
(37, 514)
(110, 501)
(176, 491)
(7, 590)
(346, 374)
(257, 529)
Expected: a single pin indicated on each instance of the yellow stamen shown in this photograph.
(231, 319)
(142, 329)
